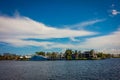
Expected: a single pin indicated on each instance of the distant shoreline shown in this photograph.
(69, 54)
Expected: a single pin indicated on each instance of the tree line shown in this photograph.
(69, 54)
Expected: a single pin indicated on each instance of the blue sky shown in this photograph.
(27, 26)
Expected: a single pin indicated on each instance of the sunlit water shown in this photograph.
(108, 69)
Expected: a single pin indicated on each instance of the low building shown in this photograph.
(87, 54)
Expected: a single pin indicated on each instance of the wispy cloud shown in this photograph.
(14, 30)
(84, 24)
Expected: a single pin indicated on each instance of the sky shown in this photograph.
(28, 26)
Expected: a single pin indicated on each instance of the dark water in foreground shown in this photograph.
(108, 69)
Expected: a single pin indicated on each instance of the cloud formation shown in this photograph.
(14, 30)
(107, 43)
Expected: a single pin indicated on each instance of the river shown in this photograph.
(107, 69)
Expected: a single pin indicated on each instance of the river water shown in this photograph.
(108, 69)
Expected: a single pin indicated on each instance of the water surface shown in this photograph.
(108, 69)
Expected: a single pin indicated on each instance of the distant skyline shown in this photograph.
(28, 26)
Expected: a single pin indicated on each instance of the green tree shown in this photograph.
(0, 57)
(101, 55)
(68, 54)
(54, 56)
(108, 56)
(40, 53)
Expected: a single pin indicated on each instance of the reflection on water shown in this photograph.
(108, 69)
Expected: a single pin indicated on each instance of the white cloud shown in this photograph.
(73, 39)
(21, 43)
(14, 30)
(84, 24)
(115, 12)
(108, 41)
